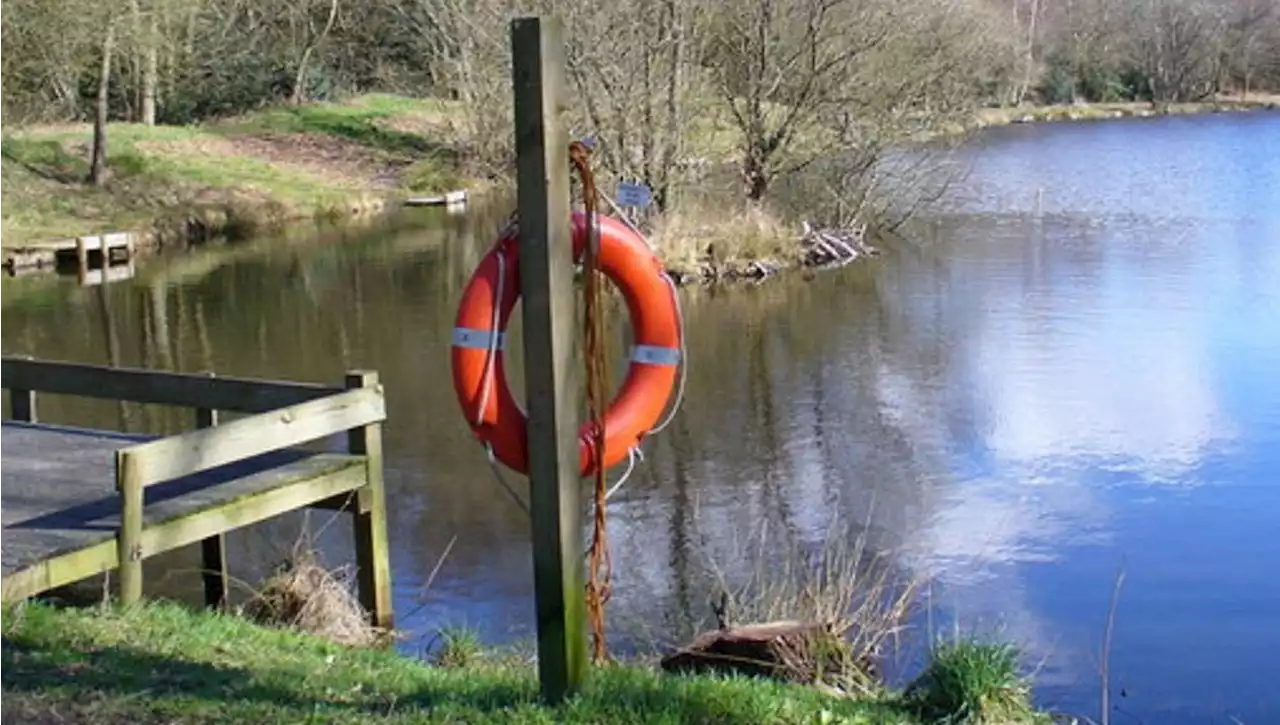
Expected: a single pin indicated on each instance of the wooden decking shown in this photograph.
(78, 502)
(85, 253)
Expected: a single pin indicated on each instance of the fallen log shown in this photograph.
(788, 650)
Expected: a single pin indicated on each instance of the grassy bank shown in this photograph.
(233, 175)
(160, 663)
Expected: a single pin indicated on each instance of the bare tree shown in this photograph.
(1247, 27)
(471, 62)
(1176, 45)
(630, 69)
(779, 65)
(150, 63)
(1029, 61)
(313, 40)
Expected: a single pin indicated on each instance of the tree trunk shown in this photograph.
(755, 178)
(299, 92)
(673, 152)
(150, 68)
(1030, 60)
(98, 167)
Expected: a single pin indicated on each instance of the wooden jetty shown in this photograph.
(453, 199)
(107, 275)
(82, 253)
(78, 502)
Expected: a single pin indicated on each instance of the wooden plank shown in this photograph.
(60, 495)
(60, 570)
(350, 502)
(27, 260)
(113, 240)
(201, 450)
(551, 379)
(183, 529)
(241, 395)
(453, 198)
(54, 245)
(373, 557)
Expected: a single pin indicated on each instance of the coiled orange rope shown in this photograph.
(599, 567)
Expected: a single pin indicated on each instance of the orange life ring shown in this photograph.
(478, 357)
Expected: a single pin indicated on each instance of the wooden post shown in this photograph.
(373, 557)
(82, 260)
(22, 403)
(552, 378)
(129, 539)
(213, 549)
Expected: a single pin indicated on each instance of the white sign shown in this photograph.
(630, 194)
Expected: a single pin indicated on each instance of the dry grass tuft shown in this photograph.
(305, 596)
(710, 240)
(842, 604)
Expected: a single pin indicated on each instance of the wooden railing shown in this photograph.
(283, 415)
(24, 377)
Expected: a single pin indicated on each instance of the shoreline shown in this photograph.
(285, 167)
(1066, 113)
(232, 178)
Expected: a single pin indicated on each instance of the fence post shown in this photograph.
(552, 380)
(373, 557)
(213, 549)
(22, 403)
(129, 539)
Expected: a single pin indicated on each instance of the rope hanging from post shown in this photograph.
(599, 566)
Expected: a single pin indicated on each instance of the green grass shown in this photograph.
(456, 647)
(358, 122)
(973, 682)
(161, 663)
(308, 160)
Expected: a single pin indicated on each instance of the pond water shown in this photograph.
(1070, 371)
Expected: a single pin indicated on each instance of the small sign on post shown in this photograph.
(552, 376)
(636, 195)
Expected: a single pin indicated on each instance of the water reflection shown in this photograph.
(1017, 407)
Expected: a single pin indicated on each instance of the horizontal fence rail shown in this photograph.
(199, 450)
(240, 395)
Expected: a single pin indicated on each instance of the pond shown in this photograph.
(1069, 371)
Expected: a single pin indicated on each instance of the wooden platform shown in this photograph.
(78, 502)
(81, 254)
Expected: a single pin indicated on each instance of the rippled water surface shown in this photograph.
(1072, 372)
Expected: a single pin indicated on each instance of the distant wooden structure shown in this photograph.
(453, 199)
(82, 254)
(107, 275)
(78, 502)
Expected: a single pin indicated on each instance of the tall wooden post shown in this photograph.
(213, 549)
(373, 557)
(552, 378)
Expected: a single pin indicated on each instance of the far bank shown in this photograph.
(292, 165)
(237, 177)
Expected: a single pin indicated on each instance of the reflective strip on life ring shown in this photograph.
(480, 380)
